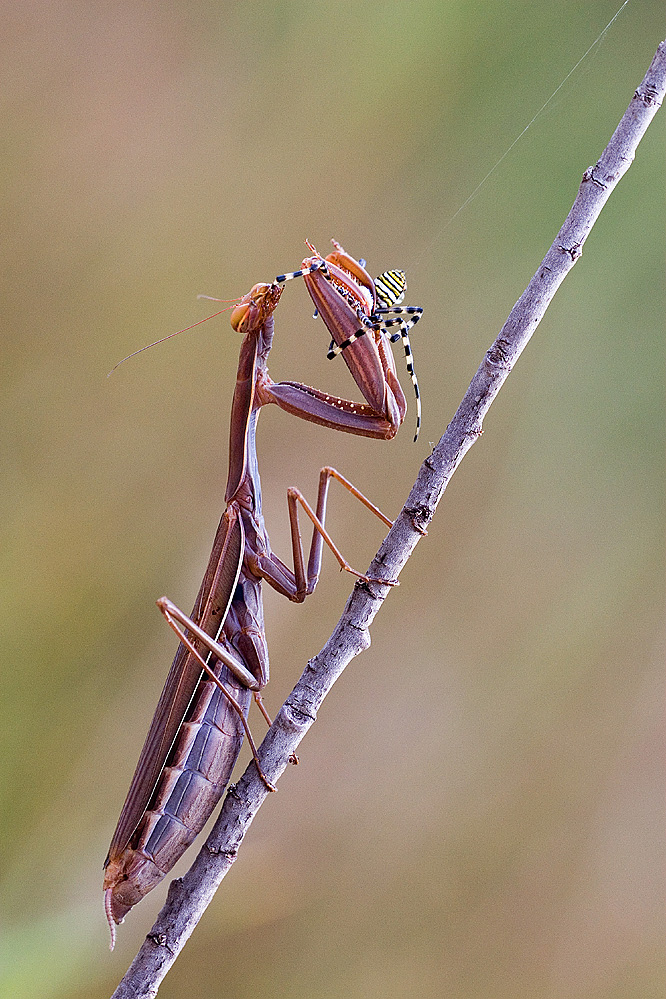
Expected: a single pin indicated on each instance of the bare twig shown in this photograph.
(189, 896)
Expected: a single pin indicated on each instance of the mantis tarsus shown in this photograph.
(196, 733)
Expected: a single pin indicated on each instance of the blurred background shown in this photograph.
(477, 812)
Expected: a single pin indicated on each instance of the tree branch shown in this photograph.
(188, 897)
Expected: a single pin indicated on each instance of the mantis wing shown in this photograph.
(210, 611)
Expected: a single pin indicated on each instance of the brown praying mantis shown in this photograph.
(196, 733)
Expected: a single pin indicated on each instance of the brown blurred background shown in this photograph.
(478, 810)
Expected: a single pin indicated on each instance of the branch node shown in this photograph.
(297, 716)
(361, 633)
(497, 357)
(160, 940)
(232, 792)
(648, 96)
(219, 852)
(589, 177)
(574, 251)
(365, 586)
(419, 516)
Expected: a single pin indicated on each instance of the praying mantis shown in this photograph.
(222, 661)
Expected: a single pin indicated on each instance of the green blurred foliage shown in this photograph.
(476, 813)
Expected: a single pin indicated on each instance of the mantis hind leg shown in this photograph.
(307, 581)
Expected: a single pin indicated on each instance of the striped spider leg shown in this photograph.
(319, 265)
(390, 286)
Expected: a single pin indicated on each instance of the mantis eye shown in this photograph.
(255, 307)
(239, 317)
